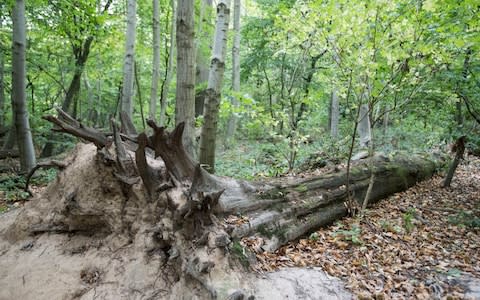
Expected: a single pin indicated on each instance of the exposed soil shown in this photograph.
(86, 237)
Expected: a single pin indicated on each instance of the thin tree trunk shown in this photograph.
(185, 93)
(169, 71)
(334, 114)
(215, 79)
(22, 125)
(232, 121)
(201, 58)
(386, 119)
(129, 61)
(459, 151)
(90, 95)
(364, 127)
(138, 90)
(156, 60)
(2, 89)
(81, 55)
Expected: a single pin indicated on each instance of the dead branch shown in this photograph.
(69, 125)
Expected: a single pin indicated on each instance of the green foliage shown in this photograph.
(13, 186)
(240, 252)
(389, 227)
(313, 237)
(408, 217)
(352, 235)
(465, 219)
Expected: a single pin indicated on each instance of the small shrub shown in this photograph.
(353, 235)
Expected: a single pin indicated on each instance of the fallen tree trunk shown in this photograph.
(166, 207)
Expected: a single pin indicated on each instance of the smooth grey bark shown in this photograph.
(334, 113)
(232, 121)
(20, 113)
(169, 71)
(213, 93)
(364, 128)
(201, 58)
(152, 112)
(386, 119)
(185, 97)
(129, 61)
(90, 96)
(2, 84)
(2, 90)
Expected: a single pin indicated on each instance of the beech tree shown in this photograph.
(208, 134)
(156, 60)
(22, 124)
(129, 61)
(232, 122)
(169, 71)
(2, 90)
(185, 93)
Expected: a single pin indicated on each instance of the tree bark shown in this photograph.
(334, 114)
(129, 61)
(169, 71)
(190, 218)
(201, 57)
(156, 60)
(22, 125)
(364, 127)
(213, 94)
(81, 53)
(279, 212)
(232, 121)
(185, 95)
(2, 89)
(459, 149)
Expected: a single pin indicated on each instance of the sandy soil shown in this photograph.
(85, 238)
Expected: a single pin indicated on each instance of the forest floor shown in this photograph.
(422, 243)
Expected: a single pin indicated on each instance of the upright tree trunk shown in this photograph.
(156, 60)
(232, 121)
(185, 97)
(213, 93)
(169, 71)
(386, 119)
(334, 113)
(364, 127)
(22, 125)
(201, 58)
(129, 62)
(2, 90)
(459, 149)
(80, 53)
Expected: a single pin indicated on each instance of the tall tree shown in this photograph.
(208, 134)
(232, 122)
(169, 71)
(129, 61)
(20, 112)
(201, 54)
(334, 113)
(156, 59)
(185, 96)
(79, 24)
(81, 30)
(2, 90)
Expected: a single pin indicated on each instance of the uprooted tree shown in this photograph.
(146, 190)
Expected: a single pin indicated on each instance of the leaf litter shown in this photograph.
(423, 243)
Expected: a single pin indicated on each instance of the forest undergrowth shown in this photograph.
(422, 243)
